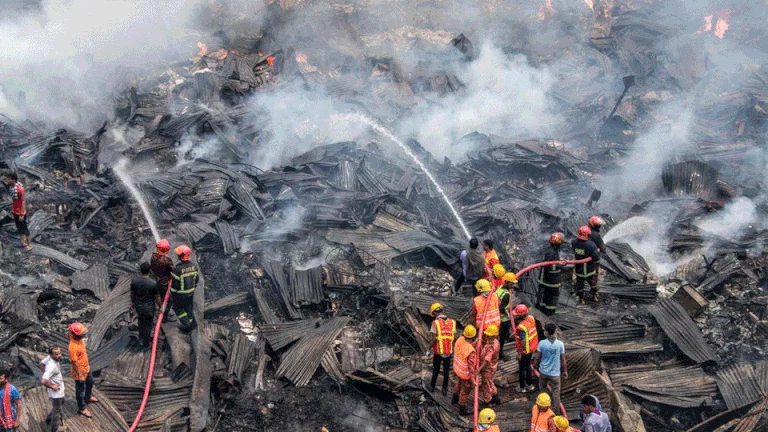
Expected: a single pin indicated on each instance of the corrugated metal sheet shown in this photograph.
(645, 293)
(307, 286)
(676, 323)
(65, 260)
(95, 280)
(280, 335)
(370, 242)
(117, 303)
(265, 310)
(300, 362)
(229, 237)
(675, 384)
(241, 196)
(369, 181)
(276, 272)
(691, 177)
(738, 385)
(241, 352)
(39, 222)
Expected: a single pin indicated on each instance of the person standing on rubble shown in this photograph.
(489, 363)
(443, 332)
(550, 279)
(184, 281)
(465, 368)
(162, 268)
(491, 257)
(483, 315)
(145, 297)
(526, 342)
(81, 368)
(498, 276)
(53, 380)
(10, 407)
(472, 265)
(542, 416)
(505, 297)
(585, 273)
(592, 417)
(595, 223)
(18, 207)
(550, 362)
(486, 421)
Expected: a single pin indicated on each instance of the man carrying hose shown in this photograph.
(184, 282)
(586, 272)
(526, 342)
(145, 297)
(484, 314)
(550, 279)
(162, 268)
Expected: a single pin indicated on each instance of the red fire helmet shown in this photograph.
(184, 252)
(556, 238)
(596, 222)
(584, 232)
(520, 310)
(77, 329)
(163, 246)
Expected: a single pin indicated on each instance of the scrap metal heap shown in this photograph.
(320, 273)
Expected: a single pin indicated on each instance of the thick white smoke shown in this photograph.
(731, 221)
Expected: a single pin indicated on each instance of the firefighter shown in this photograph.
(505, 298)
(486, 421)
(542, 416)
(563, 425)
(498, 276)
(489, 363)
(162, 268)
(585, 273)
(550, 278)
(526, 342)
(443, 330)
(492, 315)
(184, 281)
(595, 223)
(465, 368)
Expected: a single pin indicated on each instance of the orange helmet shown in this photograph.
(584, 232)
(556, 238)
(77, 329)
(163, 246)
(520, 309)
(184, 252)
(596, 222)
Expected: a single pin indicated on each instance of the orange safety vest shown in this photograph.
(492, 315)
(531, 342)
(446, 329)
(540, 421)
(461, 353)
(493, 428)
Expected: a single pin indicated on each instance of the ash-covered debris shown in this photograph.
(323, 244)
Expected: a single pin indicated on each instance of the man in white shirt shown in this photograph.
(54, 381)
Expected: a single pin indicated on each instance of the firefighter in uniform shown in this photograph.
(486, 421)
(585, 273)
(483, 315)
(505, 298)
(444, 331)
(542, 416)
(489, 363)
(526, 342)
(162, 268)
(551, 279)
(465, 367)
(183, 284)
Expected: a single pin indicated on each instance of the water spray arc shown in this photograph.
(384, 131)
(119, 170)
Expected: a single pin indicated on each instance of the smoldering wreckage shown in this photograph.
(318, 276)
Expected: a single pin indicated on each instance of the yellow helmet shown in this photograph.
(499, 270)
(561, 423)
(491, 330)
(486, 416)
(483, 286)
(510, 277)
(434, 307)
(543, 400)
(470, 331)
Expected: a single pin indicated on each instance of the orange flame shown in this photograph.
(301, 57)
(222, 54)
(590, 4)
(721, 27)
(546, 11)
(707, 26)
(203, 49)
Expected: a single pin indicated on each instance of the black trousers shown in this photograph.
(183, 305)
(55, 414)
(21, 225)
(524, 374)
(504, 329)
(581, 283)
(437, 360)
(145, 320)
(83, 390)
(549, 299)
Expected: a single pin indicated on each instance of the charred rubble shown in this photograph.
(319, 274)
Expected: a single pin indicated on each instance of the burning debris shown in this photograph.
(328, 165)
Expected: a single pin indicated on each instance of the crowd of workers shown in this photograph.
(475, 360)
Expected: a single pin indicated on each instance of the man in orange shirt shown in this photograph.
(81, 369)
(491, 257)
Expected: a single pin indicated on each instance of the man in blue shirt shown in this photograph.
(10, 407)
(550, 362)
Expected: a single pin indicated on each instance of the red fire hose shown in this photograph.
(480, 330)
(151, 372)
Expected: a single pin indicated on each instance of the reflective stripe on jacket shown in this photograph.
(502, 292)
(492, 315)
(446, 331)
(530, 341)
(185, 277)
(462, 365)
(540, 421)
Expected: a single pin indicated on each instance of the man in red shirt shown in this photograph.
(18, 207)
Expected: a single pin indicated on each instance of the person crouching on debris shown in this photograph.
(443, 332)
(563, 425)
(489, 363)
(551, 279)
(483, 315)
(526, 342)
(472, 265)
(19, 207)
(184, 282)
(592, 417)
(81, 368)
(504, 293)
(491, 257)
(585, 273)
(486, 421)
(145, 297)
(464, 358)
(10, 407)
(162, 268)
(542, 417)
